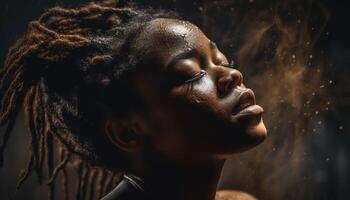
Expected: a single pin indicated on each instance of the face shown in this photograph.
(196, 104)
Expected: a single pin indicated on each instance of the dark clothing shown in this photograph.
(130, 188)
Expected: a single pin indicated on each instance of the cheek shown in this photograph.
(200, 93)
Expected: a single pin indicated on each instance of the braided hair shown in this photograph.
(63, 72)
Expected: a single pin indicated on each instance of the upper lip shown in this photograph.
(245, 99)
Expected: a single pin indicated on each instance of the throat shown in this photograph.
(182, 182)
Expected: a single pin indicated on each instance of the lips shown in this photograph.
(246, 99)
(245, 107)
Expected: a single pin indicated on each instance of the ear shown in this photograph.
(122, 134)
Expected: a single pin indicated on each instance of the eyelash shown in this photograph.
(202, 73)
(197, 76)
(230, 65)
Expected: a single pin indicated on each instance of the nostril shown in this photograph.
(229, 81)
(238, 77)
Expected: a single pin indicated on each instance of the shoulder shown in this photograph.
(233, 195)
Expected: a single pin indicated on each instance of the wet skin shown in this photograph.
(196, 110)
(195, 118)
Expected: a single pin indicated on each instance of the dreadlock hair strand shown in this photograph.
(88, 47)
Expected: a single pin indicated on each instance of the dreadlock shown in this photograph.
(62, 72)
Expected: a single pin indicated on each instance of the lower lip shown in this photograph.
(248, 112)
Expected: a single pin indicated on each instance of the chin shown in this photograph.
(257, 133)
(245, 138)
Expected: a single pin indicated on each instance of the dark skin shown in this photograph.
(197, 113)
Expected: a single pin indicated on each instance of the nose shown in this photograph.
(228, 79)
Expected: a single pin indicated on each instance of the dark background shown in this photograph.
(294, 54)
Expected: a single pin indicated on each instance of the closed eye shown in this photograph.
(230, 65)
(197, 76)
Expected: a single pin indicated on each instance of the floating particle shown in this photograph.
(293, 56)
(311, 56)
(314, 130)
(251, 1)
(328, 159)
(316, 112)
(319, 122)
(322, 86)
(341, 127)
(328, 102)
(330, 82)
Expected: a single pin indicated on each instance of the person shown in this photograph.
(137, 91)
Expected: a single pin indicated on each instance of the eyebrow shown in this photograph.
(184, 55)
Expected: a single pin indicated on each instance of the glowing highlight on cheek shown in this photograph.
(204, 86)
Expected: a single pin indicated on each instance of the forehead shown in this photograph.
(161, 39)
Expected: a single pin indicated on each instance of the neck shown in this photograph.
(173, 181)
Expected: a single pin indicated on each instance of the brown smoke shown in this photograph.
(277, 46)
